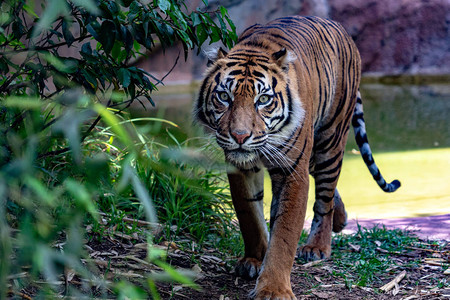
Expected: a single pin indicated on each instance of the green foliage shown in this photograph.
(192, 196)
(67, 150)
(363, 267)
(108, 37)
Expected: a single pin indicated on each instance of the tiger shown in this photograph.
(282, 99)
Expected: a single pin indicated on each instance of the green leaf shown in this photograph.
(232, 26)
(89, 5)
(115, 52)
(134, 10)
(3, 66)
(223, 11)
(127, 3)
(132, 91)
(142, 194)
(164, 5)
(107, 35)
(86, 48)
(92, 28)
(127, 38)
(149, 99)
(52, 11)
(185, 38)
(113, 8)
(66, 32)
(81, 196)
(136, 46)
(22, 102)
(30, 11)
(97, 170)
(112, 121)
(41, 191)
(18, 30)
(62, 65)
(174, 274)
(202, 34)
(126, 290)
(150, 119)
(69, 124)
(124, 77)
(195, 19)
(215, 34)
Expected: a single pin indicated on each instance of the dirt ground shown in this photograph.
(318, 281)
(424, 266)
(419, 270)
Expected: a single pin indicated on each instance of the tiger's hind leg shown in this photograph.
(326, 173)
(339, 214)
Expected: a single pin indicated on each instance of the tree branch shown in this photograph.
(46, 47)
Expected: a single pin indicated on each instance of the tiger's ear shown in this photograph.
(214, 54)
(284, 57)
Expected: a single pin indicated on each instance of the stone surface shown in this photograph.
(402, 36)
(426, 227)
(394, 37)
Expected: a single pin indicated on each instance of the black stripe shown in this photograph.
(257, 197)
(328, 162)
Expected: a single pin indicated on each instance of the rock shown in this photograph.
(397, 37)
(394, 37)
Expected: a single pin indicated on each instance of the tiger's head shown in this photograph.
(247, 101)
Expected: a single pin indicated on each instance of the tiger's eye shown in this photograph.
(263, 99)
(224, 96)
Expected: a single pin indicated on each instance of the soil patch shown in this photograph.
(423, 262)
(425, 278)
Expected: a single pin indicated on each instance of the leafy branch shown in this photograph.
(67, 75)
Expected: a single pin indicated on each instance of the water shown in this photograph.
(409, 130)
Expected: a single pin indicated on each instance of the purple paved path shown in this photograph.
(433, 227)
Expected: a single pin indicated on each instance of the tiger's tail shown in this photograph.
(359, 127)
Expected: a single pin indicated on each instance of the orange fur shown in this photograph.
(282, 99)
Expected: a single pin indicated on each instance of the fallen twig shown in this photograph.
(16, 276)
(313, 263)
(22, 295)
(143, 262)
(423, 249)
(129, 220)
(388, 286)
(435, 261)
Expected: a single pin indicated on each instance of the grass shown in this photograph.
(360, 264)
(373, 256)
(365, 265)
(121, 173)
(189, 197)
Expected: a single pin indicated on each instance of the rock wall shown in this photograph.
(401, 36)
(393, 36)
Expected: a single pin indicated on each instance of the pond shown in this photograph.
(408, 127)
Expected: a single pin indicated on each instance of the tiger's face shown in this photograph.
(246, 101)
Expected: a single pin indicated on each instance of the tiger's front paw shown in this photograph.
(248, 268)
(312, 252)
(273, 291)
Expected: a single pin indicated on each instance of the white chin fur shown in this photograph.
(241, 160)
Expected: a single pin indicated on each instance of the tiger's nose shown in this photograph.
(240, 136)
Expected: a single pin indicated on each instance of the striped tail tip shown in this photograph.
(392, 187)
